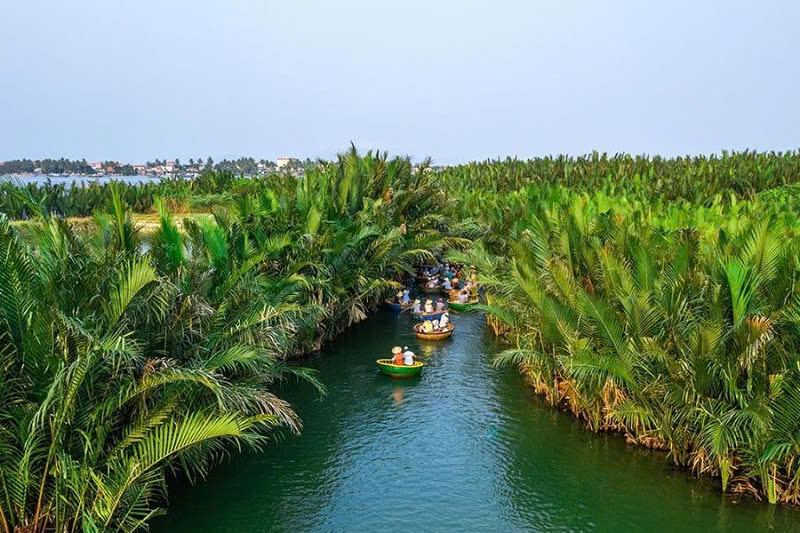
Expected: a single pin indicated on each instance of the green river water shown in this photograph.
(464, 447)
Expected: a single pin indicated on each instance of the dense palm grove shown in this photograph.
(655, 297)
(122, 359)
(658, 300)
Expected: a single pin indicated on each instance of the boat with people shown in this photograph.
(430, 290)
(421, 280)
(428, 316)
(435, 335)
(399, 371)
(400, 301)
(395, 306)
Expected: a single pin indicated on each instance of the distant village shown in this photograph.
(246, 166)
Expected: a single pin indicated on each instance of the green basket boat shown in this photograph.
(399, 371)
(457, 306)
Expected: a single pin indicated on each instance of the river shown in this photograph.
(464, 447)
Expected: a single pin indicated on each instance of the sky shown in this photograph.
(454, 80)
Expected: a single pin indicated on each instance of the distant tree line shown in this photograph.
(46, 166)
(242, 166)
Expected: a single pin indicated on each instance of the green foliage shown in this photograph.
(673, 322)
(122, 359)
(651, 296)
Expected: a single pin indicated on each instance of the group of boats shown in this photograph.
(401, 371)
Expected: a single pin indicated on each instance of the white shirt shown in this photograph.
(443, 322)
(408, 358)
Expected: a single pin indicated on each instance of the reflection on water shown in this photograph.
(464, 447)
(397, 395)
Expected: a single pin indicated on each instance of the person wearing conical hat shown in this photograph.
(417, 307)
(406, 299)
(429, 306)
(397, 355)
(398, 298)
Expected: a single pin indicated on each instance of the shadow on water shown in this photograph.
(463, 447)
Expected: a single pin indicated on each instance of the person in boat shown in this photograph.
(448, 273)
(440, 307)
(417, 306)
(427, 326)
(444, 321)
(406, 299)
(398, 298)
(447, 285)
(429, 306)
(397, 355)
(408, 356)
(463, 296)
(432, 283)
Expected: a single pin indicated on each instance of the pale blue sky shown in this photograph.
(456, 80)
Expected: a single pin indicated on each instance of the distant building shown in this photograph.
(283, 162)
(170, 166)
(140, 169)
(97, 166)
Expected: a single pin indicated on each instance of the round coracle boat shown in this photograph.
(399, 371)
(428, 316)
(435, 335)
(462, 306)
(394, 306)
(430, 290)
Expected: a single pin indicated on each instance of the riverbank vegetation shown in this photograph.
(660, 305)
(123, 360)
(654, 297)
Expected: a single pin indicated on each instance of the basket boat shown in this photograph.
(399, 371)
(434, 335)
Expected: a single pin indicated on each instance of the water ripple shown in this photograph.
(464, 447)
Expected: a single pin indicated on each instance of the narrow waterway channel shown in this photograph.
(464, 447)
